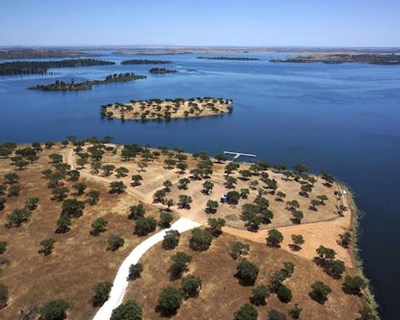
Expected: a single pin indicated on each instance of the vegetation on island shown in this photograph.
(162, 70)
(41, 67)
(229, 58)
(30, 53)
(145, 61)
(87, 85)
(382, 59)
(157, 109)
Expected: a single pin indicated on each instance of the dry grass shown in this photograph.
(221, 294)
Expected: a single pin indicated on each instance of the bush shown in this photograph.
(247, 272)
(31, 203)
(200, 240)
(284, 294)
(135, 271)
(63, 224)
(98, 226)
(47, 246)
(171, 239)
(191, 286)
(130, 310)
(169, 301)
(145, 225)
(54, 310)
(17, 217)
(246, 312)
(3, 246)
(101, 293)
(14, 191)
(3, 295)
(115, 242)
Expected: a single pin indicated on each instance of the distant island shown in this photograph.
(30, 53)
(162, 70)
(145, 61)
(382, 59)
(230, 58)
(41, 67)
(157, 109)
(87, 85)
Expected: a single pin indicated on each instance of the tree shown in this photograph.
(297, 216)
(212, 206)
(324, 254)
(274, 238)
(215, 226)
(334, 268)
(280, 196)
(17, 217)
(47, 246)
(115, 242)
(314, 203)
(169, 163)
(345, 239)
(200, 240)
(230, 182)
(239, 249)
(14, 191)
(276, 315)
(54, 310)
(59, 193)
(171, 239)
(292, 205)
(182, 166)
(98, 226)
(169, 301)
(80, 188)
(244, 193)
(284, 294)
(93, 197)
(135, 271)
(165, 220)
(245, 174)
(117, 187)
(246, 312)
(329, 179)
(295, 312)
(354, 285)
(320, 292)
(232, 197)
(81, 162)
(298, 240)
(101, 293)
(159, 196)
(260, 293)
(31, 203)
(63, 224)
(2, 203)
(11, 177)
(220, 157)
(108, 169)
(135, 212)
(305, 189)
(145, 225)
(136, 178)
(191, 286)
(130, 310)
(207, 187)
(179, 266)
(167, 185)
(49, 144)
(121, 172)
(72, 208)
(3, 246)
(230, 167)
(56, 158)
(322, 198)
(184, 201)
(3, 295)
(300, 168)
(183, 183)
(366, 313)
(246, 272)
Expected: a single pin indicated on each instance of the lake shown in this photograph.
(341, 118)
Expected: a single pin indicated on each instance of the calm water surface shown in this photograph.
(342, 118)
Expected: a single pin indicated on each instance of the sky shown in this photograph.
(335, 23)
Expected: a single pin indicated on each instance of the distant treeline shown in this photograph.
(40, 53)
(87, 85)
(41, 67)
(144, 61)
(162, 70)
(383, 59)
(229, 58)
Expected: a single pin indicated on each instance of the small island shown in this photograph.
(87, 85)
(162, 70)
(381, 59)
(230, 58)
(157, 109)
(41, 67)
(145, 61)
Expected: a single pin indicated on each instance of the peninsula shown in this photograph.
(157, 109)
(168, 232)
(87, 85)
(41, 67)
(382, 59)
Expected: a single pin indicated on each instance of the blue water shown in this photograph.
(342, 118)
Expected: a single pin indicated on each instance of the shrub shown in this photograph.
(17, 217)
(115, 242)
(54, 310)
(14, 191)
(130, 310)
(47, 246)
(247, 272)
(135, 271)
(63, 224)
(99, 226)
(101, 293)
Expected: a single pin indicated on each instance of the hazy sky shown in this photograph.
(202, 22)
